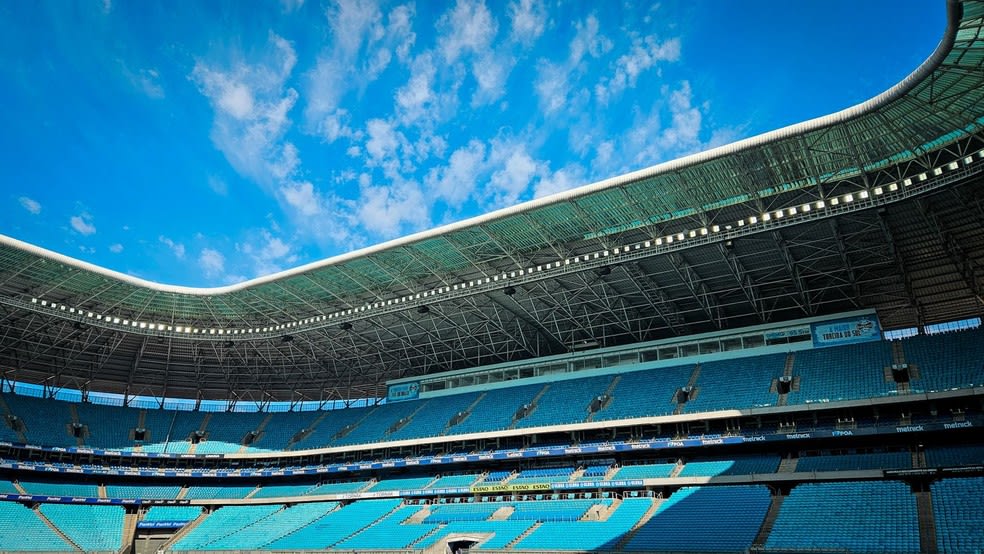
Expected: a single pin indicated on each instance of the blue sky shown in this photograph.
(205, 143)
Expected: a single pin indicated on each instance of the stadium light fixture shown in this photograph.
(848, 198)
(937, 171)
(893, 187)
(834, 201)
(878, 191)
(766, 216)
(863, 195)
(820, 204)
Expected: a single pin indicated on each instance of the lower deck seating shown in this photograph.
(746, 465)
(959, 515)
(866, 516)
(848, 462)
(335, 526)
(22, 530)
(223, 522)
(645, 471)
(202, 492)
(92, 528)
(949, 456)
(588, 535)
(705, 519)
(172, 513)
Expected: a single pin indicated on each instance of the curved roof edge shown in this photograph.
(954, 14)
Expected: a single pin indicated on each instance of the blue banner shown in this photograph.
(851, 330)
(403, 391)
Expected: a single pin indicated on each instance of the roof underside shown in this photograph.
(917, 258)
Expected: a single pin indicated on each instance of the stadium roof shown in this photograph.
(877, 206)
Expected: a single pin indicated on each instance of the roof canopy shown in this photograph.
(879, 205)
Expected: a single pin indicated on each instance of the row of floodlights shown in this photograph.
(792, 211)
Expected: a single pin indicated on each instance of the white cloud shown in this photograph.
(177, 248)
(82, 223)
(363, 46)
(468, 27)
(218, 185)
(251, 103)
(644, 54)
(552, 86)
(528, 20)
(30, 204)
(303, 198)
(388, 210)
(566, 178)
(289, 6)
(457, 181)
(267, 253)
(555, 81)
(491, 72)
(512, 180)
(212, 262)
(649, 141)
(588, 41)
(116, 248)
(417, 96)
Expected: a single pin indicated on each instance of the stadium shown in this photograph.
(771, 346)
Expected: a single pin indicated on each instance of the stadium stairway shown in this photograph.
(656, 502)
(368, 526)
(927, 522)
(691, 385)
(129, 532)
(6, 413)
(768, 522)
(166, 547)
(257, 433)
(534, 405)
(465, 414)
(303, 434)
(536, 525)
(788, 464)
(53, 527)
(606, 394)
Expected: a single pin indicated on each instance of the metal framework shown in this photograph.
(879, 206)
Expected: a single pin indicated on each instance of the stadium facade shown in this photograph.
(688, 358)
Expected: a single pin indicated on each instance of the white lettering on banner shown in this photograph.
(909, 429)
(958, 425)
